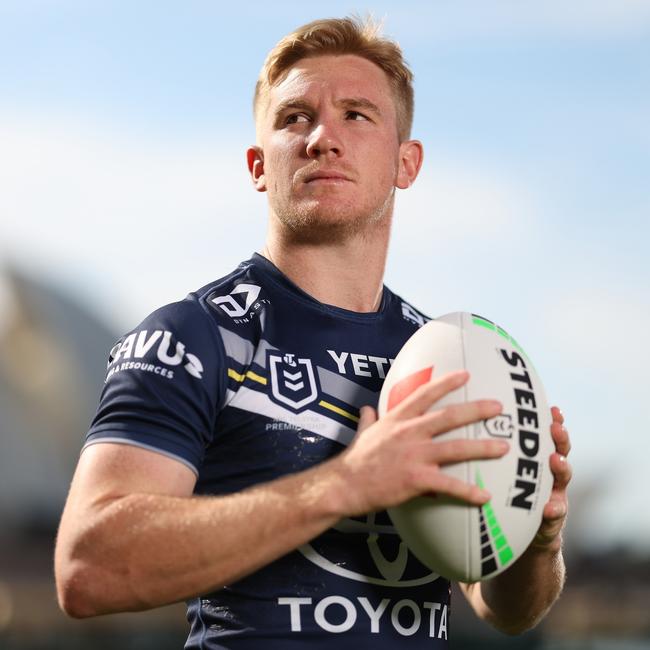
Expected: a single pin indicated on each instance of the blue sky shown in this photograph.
(123, 127)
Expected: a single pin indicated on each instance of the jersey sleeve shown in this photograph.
(164, 385)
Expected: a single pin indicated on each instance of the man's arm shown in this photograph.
(133, 537)
(517, 599)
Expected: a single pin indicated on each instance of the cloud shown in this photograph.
(600, 328)
(458, 232)
(468, 20)
(459, 199)
(149, 218)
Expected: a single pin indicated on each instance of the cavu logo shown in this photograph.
(138, 344)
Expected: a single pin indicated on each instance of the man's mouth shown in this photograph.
(323, 176)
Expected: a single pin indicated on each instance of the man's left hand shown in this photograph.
(549, 534)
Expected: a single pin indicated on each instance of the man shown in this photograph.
(223, 468)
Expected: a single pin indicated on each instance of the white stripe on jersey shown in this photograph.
(255, 402)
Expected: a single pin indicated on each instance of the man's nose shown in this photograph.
(324, 140)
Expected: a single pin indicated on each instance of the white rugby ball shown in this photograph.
(456, 540)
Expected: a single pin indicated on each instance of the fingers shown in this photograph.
(561, 470)
(553, 518)
(447, 452)
(451, 417)
(416, 407)
(455, 416)
(424, 396)
(554, 513)
(549, 534)
(429, 457)
(367, 417)
(557, 506)
(457, 489)
(561, 439)
(556, 510)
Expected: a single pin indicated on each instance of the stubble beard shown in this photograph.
(312, 224)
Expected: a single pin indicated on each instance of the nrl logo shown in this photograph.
(293, 382)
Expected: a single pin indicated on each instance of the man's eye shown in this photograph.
(355, 115)
(296, 117)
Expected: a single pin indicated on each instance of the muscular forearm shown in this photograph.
(145, 550)
(517, 599)
(143, 541)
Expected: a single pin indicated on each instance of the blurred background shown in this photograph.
(123, 186)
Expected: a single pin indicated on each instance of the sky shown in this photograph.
(123, 129)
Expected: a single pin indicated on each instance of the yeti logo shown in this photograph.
(293, 382)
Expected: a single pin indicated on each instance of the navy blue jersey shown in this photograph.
(247, 380)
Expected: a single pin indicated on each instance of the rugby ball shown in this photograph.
(456, 540)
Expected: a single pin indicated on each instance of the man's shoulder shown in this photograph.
(406, 309)
(225, 283)
(187, 334)
(226, 295)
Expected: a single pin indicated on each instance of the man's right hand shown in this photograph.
(399, 456)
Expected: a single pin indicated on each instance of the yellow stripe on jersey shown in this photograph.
(340, 411)
(255, 377)
(233, 374)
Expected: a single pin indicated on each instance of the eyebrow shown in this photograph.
(360, 102)
(287, 104)
(348, 102)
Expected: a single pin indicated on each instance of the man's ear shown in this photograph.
(255, 160)
(411, 154)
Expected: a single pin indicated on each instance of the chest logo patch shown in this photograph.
(293, 382)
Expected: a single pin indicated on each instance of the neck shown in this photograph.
(347, 273)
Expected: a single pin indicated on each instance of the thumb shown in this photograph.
(367, 416)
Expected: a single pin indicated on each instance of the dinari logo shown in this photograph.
(236, 308)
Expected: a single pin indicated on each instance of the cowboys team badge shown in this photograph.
(293, 382)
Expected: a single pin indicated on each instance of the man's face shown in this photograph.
(328, 151)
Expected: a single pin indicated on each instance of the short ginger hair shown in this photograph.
(338, 36)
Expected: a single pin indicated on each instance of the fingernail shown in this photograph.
(562, 459)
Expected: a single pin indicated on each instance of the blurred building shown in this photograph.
(52, 359)
(53, 355)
